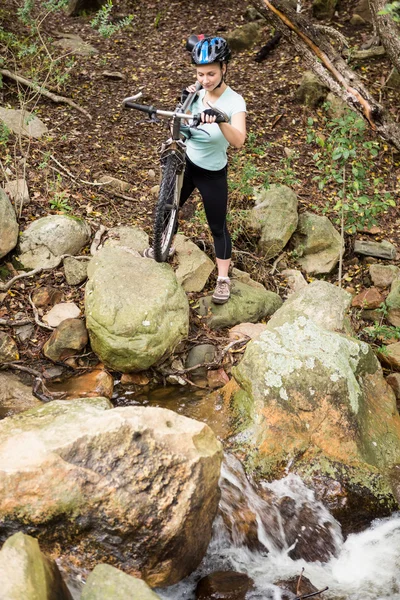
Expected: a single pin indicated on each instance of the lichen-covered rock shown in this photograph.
(245, 36)
(275, 216)
(128, 485)
(8, 225)
(128, 237)
(107, 582)
(75, 271)
(324, 9)
(324, 303)
(28, 574)
(311, 92)
(136, 312)
(317, 244)
(45, 240)
(317, 400)
(393, 303)
(194, 266)
(246, 304)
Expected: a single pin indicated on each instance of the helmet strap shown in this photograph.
(222, 78)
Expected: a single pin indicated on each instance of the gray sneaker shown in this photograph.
(222, 291)
(149, 252)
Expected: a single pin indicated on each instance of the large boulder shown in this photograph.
(317, 400)
(107, 582)
(317, 244)
(8, 225)
(44, 241)
(28, 574)
(128, 486)
(245, 36)
(246, 304)
(128, 237)
(136, 312)
(275, 216)
(194, 266)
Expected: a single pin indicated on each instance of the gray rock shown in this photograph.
(15, 397)
(8, 348)
(133, 238)
(244, 37)
(45, 240)
(393, 80)
(8, 225)
(357, 20)
(324, 9)
(136, 312)
(325, 304)
(317, 244)
(27, 573)
(60, 312)
(337, 106)
(246, 304)
(74, 44)
(113, 75)
(75, 271)
(68, 339)
(393, 303)
(119, 185)
(275, 216)
(198, 355)
(295, 279)
(383, 275)
(18, 192)
(106, 581)
(252, 14)
(311, 92)
(244, 277)
(382, 249)
(362, 9)
(194, 266)
(24, 332)
(23, 123)
(135, 481)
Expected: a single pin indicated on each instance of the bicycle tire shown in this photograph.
(167, 208)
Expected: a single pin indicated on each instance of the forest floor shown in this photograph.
(151, 57)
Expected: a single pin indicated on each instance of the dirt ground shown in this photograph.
(151, 57)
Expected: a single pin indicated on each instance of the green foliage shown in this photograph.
(4, 134)
(59, 198)
(345, 160)
(393, 9)
(102, 21)
(382, 332)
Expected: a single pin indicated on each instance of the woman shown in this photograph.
(206, 161)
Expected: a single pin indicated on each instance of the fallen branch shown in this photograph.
(334, 34)
(43, 91)
(11, 323)
(45, 395)
(365, 54)
(97, 239)
(214, 363)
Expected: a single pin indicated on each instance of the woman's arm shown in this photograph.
(235, 133)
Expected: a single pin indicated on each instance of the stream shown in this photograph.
(285, 521)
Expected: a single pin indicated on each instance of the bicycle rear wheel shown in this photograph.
(167, 208)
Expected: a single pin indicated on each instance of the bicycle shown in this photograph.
(172, 160)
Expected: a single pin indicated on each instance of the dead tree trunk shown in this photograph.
(322, 58)
(388, 30)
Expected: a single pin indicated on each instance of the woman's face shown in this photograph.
(210, 75)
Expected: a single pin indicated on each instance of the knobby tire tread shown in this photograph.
(163, 216)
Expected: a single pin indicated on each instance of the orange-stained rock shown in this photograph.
(89, 385)
(368, 299)
(217, 378)
(46, 296)
(224, 585)
(390, 356)
(135, 378)
(242, 330)
(8, 348)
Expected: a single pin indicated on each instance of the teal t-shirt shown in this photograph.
(209, 151)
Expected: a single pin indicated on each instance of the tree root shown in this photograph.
(43, 91)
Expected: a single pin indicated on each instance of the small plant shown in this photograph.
(345, 160)
(102, 21)
(383, 332)
(393, 9)
(59, 202)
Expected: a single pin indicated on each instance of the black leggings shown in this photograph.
(213, 187)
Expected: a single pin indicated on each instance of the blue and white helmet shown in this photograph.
(211, 50)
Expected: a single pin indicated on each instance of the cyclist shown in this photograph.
(206, 158)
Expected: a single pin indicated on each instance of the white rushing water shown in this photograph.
(366, 566)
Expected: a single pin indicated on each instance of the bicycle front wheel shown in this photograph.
(167, 209)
